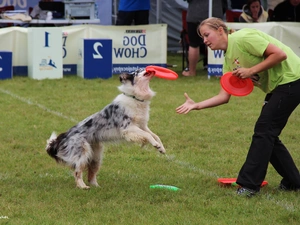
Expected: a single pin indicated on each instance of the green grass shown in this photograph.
(201, 147)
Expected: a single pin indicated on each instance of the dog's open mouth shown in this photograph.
(148, 74)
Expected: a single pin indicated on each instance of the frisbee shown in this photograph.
(163, 186)
(232, 181)
(162, 72)
(235, 85)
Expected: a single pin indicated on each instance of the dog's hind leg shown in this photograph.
(78, 178)
(81, 163)
(95, 163)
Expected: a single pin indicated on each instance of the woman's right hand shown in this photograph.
(187, 106)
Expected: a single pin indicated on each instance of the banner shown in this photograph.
(133, 46)
(44, 55)
(286, 32)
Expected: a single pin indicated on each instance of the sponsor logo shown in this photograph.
(47, 64)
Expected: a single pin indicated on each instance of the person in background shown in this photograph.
(287, 11)
(38, 13)
(274, 68)
(198, 11)
(271, 5)
(253, 12)
(239, 4)
(133, 12)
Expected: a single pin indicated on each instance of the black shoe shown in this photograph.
(241, 191)
(282, 187)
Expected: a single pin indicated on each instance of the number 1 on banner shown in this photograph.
(97, 55)
(46, 39)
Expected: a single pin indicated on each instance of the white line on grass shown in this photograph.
(191, 167)
(29, 102)
(286, 205)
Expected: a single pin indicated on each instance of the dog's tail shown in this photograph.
(50, 148)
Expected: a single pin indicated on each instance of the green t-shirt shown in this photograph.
(246, 48)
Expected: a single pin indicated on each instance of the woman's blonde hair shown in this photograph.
(215, 23)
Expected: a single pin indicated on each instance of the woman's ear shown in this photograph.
(220, 31)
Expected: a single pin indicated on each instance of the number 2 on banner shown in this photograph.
(97, 55)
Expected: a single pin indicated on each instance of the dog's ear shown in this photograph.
(126, 77)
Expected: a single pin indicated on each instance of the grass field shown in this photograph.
(201, 147)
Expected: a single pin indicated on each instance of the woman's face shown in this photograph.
(254, 8)
(211, 37)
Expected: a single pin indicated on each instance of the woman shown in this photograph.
(253, 12)
(275, 69)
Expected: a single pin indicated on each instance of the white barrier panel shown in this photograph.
(44, 53)
(5, 65)
(288, 33)
(14, 39)
(95, 58)
(133, 46)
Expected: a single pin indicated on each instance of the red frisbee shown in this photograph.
(232, 181)
(162, 72)
(235, 85)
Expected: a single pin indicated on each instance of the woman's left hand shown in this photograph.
(187, 106)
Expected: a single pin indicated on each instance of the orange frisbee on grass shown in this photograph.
(162, 72)
(232, 181)
(235, 85)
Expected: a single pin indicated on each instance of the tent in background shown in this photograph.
(169, 12)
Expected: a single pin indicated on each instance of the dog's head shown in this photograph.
(137, 84)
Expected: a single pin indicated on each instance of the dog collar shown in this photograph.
(132, 96)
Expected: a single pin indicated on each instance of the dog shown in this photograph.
(126, 118)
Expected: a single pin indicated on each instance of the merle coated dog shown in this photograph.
(126, 118)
